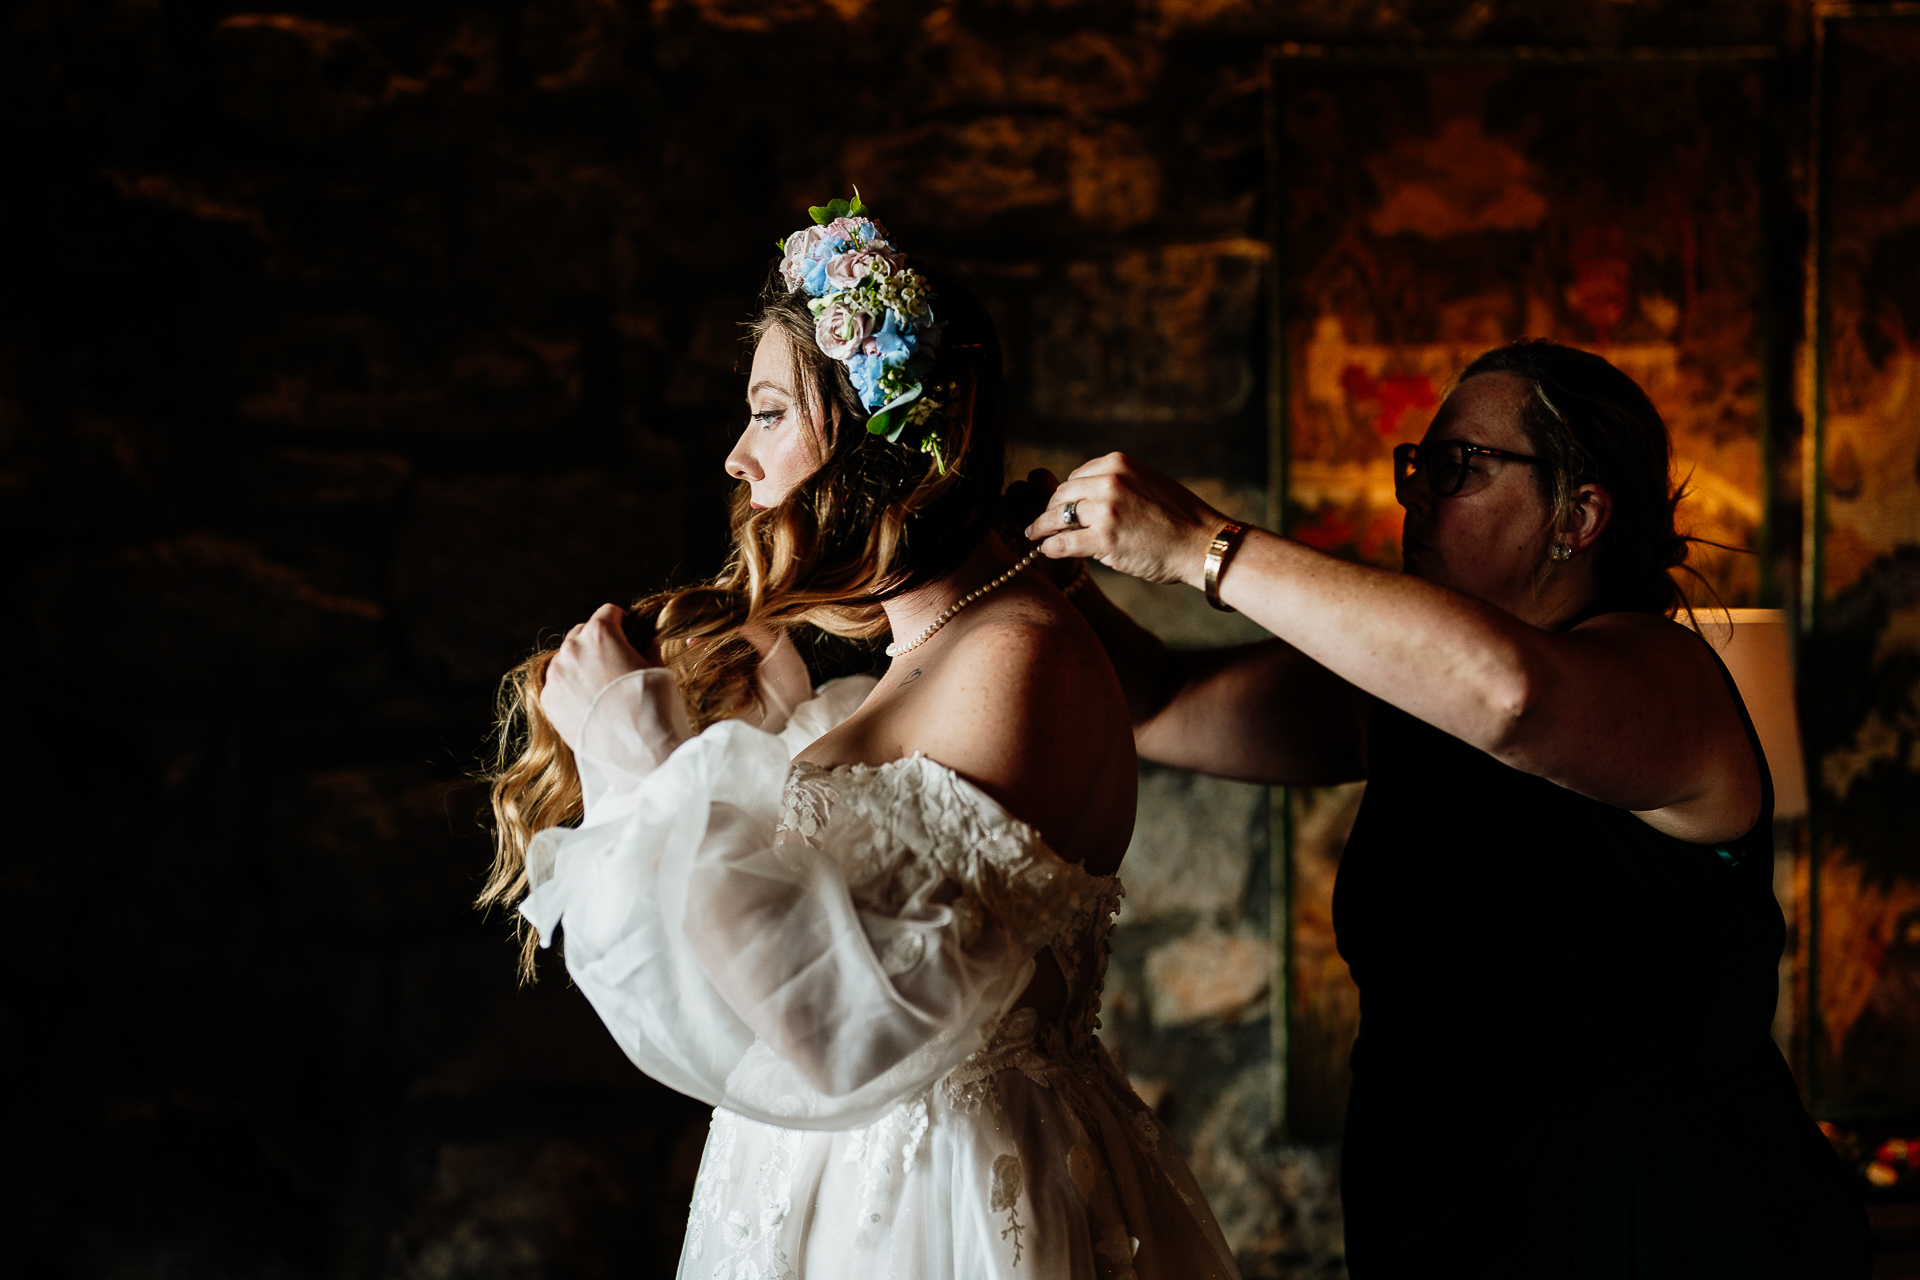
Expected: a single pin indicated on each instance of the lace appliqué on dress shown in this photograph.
(1009, 1180)
(911, 832)
(884, 1153)
(750, 1245)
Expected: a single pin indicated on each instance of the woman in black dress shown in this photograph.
(1557, 898)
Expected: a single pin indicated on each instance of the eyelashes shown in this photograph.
(767, 417)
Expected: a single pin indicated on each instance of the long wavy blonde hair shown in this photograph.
(874, 520)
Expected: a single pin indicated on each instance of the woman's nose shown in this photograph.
(1413, 492)
(740, 463)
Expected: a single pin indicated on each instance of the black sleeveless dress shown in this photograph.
(1565, 1066)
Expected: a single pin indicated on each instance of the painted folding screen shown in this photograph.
(1432, 205)
(1861, 679)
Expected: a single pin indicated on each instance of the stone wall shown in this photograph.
(345, 350)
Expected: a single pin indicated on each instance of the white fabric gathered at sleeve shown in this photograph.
(731, 958)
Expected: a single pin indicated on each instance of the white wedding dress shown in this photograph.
(830, 956)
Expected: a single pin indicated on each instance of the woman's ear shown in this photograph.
(1587, 516)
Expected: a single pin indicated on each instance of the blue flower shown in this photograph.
(813, 271)
(865, 372)
(893, 344)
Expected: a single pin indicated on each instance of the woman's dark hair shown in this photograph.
(873, 520)
(1589, 423)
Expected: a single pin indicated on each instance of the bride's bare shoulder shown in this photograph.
(1032, 646)
(1018, 693)
(1024, 704)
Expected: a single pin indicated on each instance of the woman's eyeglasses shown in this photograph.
(1445, 463)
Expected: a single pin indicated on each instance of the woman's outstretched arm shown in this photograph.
(1627, 709)
(1261, 712)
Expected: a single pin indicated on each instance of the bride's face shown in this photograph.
(779, 448)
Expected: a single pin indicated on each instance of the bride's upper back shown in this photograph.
(1015, 695)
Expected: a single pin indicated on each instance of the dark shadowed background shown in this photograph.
(347, 350)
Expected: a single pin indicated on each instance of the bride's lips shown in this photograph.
(757, 506)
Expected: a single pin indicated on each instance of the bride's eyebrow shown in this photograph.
(766, 385)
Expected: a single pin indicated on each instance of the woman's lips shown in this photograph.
(757, 506)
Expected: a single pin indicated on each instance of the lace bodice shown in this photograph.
(905, 831)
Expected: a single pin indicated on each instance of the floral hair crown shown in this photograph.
(873, 314)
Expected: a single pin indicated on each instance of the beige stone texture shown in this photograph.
(1190, 847)
(1273, 1201)
(1208, 974)
(1154, 336)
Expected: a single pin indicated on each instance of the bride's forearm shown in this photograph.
(1452, 661)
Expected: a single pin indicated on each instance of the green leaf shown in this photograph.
(780, 244)
(890, 419)
(857, 207)
(825, 213)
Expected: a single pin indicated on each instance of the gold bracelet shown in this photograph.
(1079, 580)
(1218, 551)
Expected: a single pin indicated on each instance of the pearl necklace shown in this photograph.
(946, 615)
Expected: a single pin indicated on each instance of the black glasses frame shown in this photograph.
(1409, 458)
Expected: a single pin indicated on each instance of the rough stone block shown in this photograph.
(1159, 336)
(1079, 73)
(1205, 975)
(954, 176)
(573, 44)
(471, 1031)
(1277, 1204)
(489, 565)
(1193, 842)
(519, 1206)
(207, 614)
(376, 850)
(368, 376)
(297, 79)
(279, 479)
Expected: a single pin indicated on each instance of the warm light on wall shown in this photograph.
(1758, 650)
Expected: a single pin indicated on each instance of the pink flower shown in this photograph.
(841, 331)
(845, 270)
(859, 231)
(798, 251)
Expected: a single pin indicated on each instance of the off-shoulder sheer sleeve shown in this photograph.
(802, 946)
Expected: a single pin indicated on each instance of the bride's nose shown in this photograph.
(740, 463)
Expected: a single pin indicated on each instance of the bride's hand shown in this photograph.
(594, 655)
(1130, 518)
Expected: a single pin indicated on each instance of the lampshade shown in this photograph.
(1758, 650)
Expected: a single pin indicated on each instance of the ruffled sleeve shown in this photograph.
(774, 951)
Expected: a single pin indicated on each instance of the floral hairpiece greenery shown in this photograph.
(872, 313)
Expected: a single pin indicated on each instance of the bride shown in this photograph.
(868, 922)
